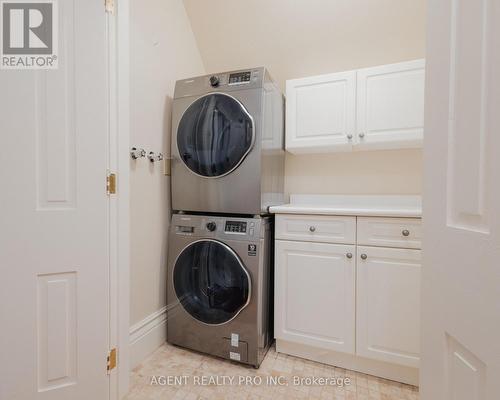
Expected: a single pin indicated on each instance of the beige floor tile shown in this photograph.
(174, 362)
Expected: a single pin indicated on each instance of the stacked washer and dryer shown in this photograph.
(227, 170)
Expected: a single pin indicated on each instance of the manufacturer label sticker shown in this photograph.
(235, 339)
(252, 249)
(234, 356)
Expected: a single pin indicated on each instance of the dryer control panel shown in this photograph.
(229, 81)
(239, 78)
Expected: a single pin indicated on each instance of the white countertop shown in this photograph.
(362, 205)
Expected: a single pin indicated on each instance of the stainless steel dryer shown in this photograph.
(228, 143)
(219, 299)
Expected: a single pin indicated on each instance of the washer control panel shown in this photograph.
(235, 227)
(230, 227)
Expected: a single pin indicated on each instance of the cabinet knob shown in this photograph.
(361, 135)
(349, 136)
(406, 232)
(349, 255)
(312, 228)
(364, 256)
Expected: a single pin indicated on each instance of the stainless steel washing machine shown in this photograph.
(228, 143)
(219, 286)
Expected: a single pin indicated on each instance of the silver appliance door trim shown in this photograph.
(239, 262)
(244, 155)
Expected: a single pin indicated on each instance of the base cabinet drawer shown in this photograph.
(315, 294)
(405, 233)
(388, 305)
(316, 228)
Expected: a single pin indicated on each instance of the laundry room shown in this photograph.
(261, 199)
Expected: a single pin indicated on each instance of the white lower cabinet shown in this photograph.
(315, 294)
(350, 305)
(388, 304)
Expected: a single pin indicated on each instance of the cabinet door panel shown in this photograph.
(320, 113)
(390, 105)
(388, 305)
(315, 294)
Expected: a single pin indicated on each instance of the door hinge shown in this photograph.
(109, 6)
(167, 166)
(111, 363)
(111, 184)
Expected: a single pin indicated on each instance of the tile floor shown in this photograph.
(149, 380)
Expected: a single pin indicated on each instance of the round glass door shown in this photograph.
(210, 282)
(214, 135)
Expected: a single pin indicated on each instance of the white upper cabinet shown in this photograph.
(390, 106)
(321, 113)
(371, 108)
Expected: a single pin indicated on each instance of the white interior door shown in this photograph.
(54, 281)
(461, 257)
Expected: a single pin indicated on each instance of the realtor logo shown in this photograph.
(29, 34)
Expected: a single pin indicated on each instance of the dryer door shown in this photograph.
(210, 282)
(214, 135)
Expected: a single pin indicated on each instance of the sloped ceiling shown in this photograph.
(295, 38)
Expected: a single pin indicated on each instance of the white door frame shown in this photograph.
(119, 163)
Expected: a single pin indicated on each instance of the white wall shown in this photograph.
(302, 38)
(163, 50)
(364, 172)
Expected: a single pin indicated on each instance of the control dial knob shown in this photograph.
(211, 226)
(214, 81)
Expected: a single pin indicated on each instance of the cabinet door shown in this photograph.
(320, 113)
(388, 304)
(315, 294)
(390, 106)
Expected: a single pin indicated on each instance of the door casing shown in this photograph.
(118, 27)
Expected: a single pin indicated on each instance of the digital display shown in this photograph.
(185, 229)
(236, 227)
(239, 77)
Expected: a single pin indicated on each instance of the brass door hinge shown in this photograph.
(167, 166)
(111, 184)
(109, 6)
(111, 363)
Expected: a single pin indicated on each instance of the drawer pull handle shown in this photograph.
(312, 228)
(349, 255)
(406, 232)
(364, 256)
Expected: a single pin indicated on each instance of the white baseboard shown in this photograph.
(147, 335)
(381, 369)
